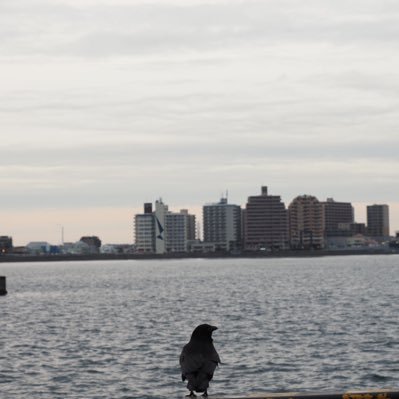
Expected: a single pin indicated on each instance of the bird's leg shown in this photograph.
(205, 394)
(192, 395)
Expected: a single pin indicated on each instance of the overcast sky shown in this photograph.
(106, 104)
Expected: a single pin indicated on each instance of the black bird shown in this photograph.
(199, 359)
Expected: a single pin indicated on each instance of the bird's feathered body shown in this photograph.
(199, 359)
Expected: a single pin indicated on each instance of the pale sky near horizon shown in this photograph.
(106, 104)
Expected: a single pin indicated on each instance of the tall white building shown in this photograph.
(222, 225)
(160, 217)
(144, 229)
(163, 231)
(179, 229)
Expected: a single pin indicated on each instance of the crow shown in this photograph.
(199, 359)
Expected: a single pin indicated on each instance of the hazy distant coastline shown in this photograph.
(215, 255)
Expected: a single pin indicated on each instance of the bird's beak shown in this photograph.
(214, 328)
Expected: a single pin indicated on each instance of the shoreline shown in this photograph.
(10, 258)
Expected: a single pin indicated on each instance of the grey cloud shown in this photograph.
(386, 84)
(131, 187)
(113, 157)
(185, 101)
(152, 28)
(189, 114)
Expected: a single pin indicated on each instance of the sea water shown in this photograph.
(115, 329)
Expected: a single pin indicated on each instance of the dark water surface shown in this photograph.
(115, 329)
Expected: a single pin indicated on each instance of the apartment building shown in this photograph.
(144, 229)
(222, 225)
(378, 220)
(265, 222)
(161, 231)
(306, 223)
(179, 230)
(335, 215)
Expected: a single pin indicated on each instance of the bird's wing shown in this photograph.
(211, 362)
(190, 360)
(209, 368)
(214, 356)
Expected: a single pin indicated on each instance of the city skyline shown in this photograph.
(108, 104)
(61, 233)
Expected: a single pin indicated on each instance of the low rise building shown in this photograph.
(116, 249)
(79, 248)
(38, 247)
(198, 246)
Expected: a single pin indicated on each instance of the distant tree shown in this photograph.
(93, 241)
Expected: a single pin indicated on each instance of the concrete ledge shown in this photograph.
(372, 394)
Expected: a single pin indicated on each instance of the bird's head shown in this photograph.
(203, 332)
